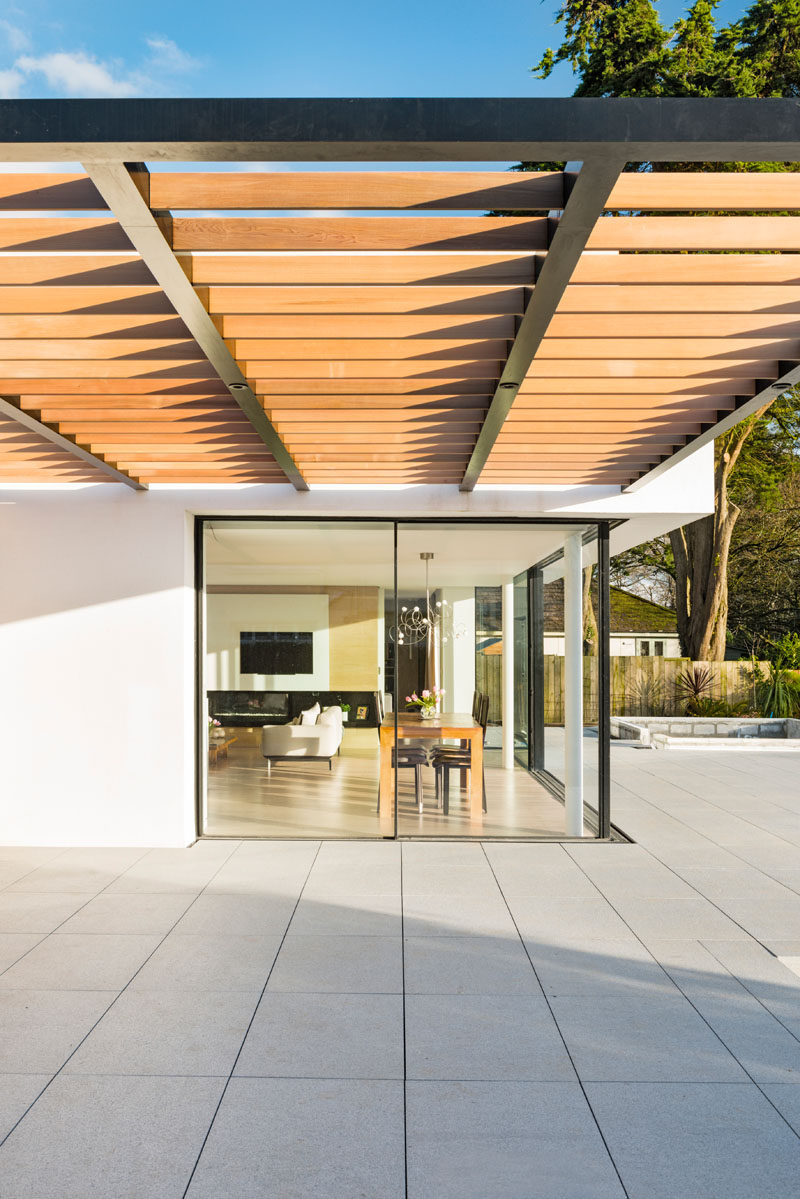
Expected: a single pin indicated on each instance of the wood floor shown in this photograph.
(307, 800)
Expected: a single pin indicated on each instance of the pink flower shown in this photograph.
(408, 699)
(426, 694)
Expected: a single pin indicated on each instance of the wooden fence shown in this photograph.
(639, 686)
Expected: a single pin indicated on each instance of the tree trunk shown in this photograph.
(701, 552)
(590, 630)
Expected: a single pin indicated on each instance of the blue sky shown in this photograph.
(353, 48)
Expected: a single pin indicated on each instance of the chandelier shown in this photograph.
(417, 624)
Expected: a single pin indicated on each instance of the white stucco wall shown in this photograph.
(97, 635)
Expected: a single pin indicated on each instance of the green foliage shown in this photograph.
(620, 48)
(777, 692)
(694, 685)
(784, 654)
(709, 706)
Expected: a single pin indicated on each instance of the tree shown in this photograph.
(620, 48)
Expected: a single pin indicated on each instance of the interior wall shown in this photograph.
(229, 615)
(347, 623)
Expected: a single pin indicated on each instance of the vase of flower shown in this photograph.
(427, 704)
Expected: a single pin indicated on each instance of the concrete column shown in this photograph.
(573, 684)
(508, 675)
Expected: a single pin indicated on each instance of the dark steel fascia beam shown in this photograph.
(789, 376)
(30, 422)
(587, 191)
(125, 190)
(406, 130)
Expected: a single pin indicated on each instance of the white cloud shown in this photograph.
(11, 82)
(76, 74)
(166, 56)
(16, 38)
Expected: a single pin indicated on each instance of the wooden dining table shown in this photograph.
(457, 725)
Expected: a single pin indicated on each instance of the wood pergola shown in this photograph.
(376, 326)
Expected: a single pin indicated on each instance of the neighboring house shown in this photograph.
(638, 626)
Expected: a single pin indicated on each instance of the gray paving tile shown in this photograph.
(562, 881)
(455, 880)
(39, 1029)
(437, 915)
(787, 1100)
(238, 914)
(353, 879)
(649, 880)
(167, 1032)
(594, 967)
(693, 919)
(763, 975)
(339, 964)
(165, 871)
(642, 1039)
(442, 853)
(468, 966)
(295, 1035)
(81, 870)
(679, 1142)
(551, 920)
(508, 1140)
(349, 915)
(21, 912)
(305, 1139)
(207, 963)
(14, 945)
(17, 1093)
(484, 1038)
(80, 961)
(767, 1050)
(91, 1138)
(128, 914)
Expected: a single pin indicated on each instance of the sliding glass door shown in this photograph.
(410, 678)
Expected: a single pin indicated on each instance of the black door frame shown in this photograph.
(536, 767)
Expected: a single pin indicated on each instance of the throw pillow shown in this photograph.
(309, 715)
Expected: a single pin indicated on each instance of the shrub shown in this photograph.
(778, 693)
(693, 686)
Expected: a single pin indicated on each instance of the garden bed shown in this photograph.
(695, 732)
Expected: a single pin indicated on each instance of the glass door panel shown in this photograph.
(295, 678)
(452, 641)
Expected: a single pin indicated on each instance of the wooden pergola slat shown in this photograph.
(534, 191)
(356, 233)
(115, 183)
(13, 412)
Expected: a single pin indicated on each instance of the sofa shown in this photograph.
(316, 736)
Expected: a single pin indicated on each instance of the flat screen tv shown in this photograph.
(276, 653)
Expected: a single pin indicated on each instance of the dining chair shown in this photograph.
(445, 758)
(405, 756)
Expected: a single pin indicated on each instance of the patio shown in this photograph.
(430, 1019)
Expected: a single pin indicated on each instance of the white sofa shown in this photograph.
(318, 742)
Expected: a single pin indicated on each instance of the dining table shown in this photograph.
(459, 726)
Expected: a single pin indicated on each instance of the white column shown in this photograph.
(573, 684)
(508, 675)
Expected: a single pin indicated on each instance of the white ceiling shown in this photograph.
(338, 553)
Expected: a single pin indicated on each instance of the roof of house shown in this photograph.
(629, 613)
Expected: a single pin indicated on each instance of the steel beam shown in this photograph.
(588, 190)
(125, 190)
(7, 408)
(745, 406)
(405, 130)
